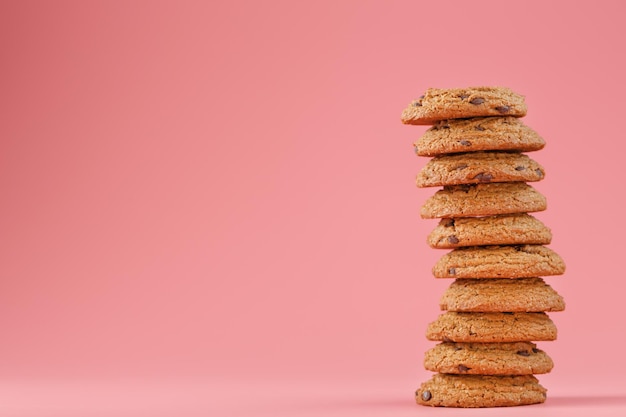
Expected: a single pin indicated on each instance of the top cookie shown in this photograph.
(478, 134)
(458, 103)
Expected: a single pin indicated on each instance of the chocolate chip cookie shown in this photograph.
(479, 167)
(504, 229)
(483, 200)
(519, 261)
(470, 391)
(491, 327)
(493, 295)
(516, 358)
(478, 134)
(440, 104)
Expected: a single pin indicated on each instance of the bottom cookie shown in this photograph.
(472, 391)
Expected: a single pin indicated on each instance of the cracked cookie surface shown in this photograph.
(521, 261)
(439, 104)
(491, 327)
(516, 358)
(479, 167)
(483, 200)
(480, 391)
(504, 229)
(478, 134)
(493, 295)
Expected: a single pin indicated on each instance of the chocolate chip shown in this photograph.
(523, 353)
(535, 350)
(508, 313)
(461, 166)
(479, 127)
(426, 396)
(452, 271)
(457, 347)
(483, 177)
(447, 339)
(417, 103)
(465, 142)
(539, 172)
(415, 149)
(477, 100)
(463, 96)
(464, 187)
(503, 109)
(520, 168)
(453, 239)
(421, 97)
(445, 127)
(463, 368)
(448, 222)
(518, 248)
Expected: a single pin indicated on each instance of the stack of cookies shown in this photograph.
(496, 306)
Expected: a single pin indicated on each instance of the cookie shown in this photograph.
(519, 261)
(504, 229)
(483, 200)
(478, 134)
(440, 104)
(479, 167)
(493, 295)
(470, 391)
(491, 327)
(516, 358)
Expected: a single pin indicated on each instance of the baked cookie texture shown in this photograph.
(440, 104)
(516, 358)
(478, 134)
(496, 295)
(472, 391)
(483, 200)
(504, 229)
(491, 327)
(519, 261)
(479, 167)
(496, 307)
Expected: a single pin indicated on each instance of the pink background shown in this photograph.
(209, 207)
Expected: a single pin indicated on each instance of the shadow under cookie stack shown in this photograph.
(496, 306)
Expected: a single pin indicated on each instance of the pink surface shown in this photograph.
(215, 200)
(270, 398)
